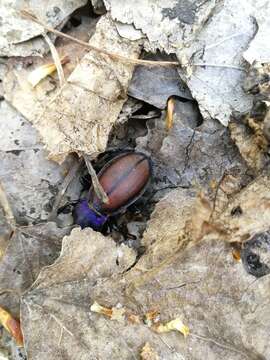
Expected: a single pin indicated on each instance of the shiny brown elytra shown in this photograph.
(124, 179)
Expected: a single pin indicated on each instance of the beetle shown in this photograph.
(124, 179)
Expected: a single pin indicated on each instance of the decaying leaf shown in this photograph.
(254, 217)
(184, 155)
(155, 85)
(251, 130)
(259, 49)
(221, 38)
(11, 325)
(29, 179)
(251, 144)
(15, 32)
(189, 283)
(81, 115)
(168, 26)
(242, 215)
(17, 90)
(100, 297)
(29, 249)
(216, 60)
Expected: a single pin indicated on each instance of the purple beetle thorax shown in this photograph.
(87, 217)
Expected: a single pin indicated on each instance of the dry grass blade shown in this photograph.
(56, 60)
(98, 188)
(30, 16)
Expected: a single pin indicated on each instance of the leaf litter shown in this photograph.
(195, 260)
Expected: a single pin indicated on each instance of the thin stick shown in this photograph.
(32, 17)
(96, 184)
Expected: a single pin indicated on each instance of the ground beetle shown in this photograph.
(124, 179)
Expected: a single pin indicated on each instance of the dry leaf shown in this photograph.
(216, 81)
(17, 90)
(155, 85)
(184, 155)
(35, 180)
(58, 303)
(16, 32)
(167, 26)
(29, 249)
(81, 116)
(252, 150)
(259, 49)
(253, 215)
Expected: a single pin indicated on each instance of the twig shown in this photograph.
(70, 176)
(6, 207)
(56, 60)
(30, 16)
(96, 184)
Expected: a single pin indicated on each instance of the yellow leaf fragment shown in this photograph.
(43, 71)
(118, 313)
(148, 353)
(169, 115)
(12, 326)
(133, 319)
(151, 317)
(101, 309)
(114, 313)
(172, 325)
